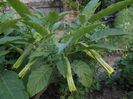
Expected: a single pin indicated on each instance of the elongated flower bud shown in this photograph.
(22, 57)
(96, 56)
(19, 50)
(106, 66)
(70, 81)
(27, 67)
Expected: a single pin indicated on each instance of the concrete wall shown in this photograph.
(45, 5)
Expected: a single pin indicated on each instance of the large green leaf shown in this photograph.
(2, 3)
(8, 15)
(21, 8)
(62, 46)
(111, 9)
(90, 8)
(98, 46)
(36, 18)
(82, 31)
(9, 39)
(81, 19)
(56, 26)
(7, 24)
(39, 13)
(84, 73)
(61, 66)
(71, 25)
(108, 32)
(39, 53)
(36, 54)
(38, 27)
(52, 17)
(62, 14)
(38, 80)
(4, 52)
(103, 46)
(11, 87)
(24, 12)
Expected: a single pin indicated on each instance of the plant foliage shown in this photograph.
(38, 39)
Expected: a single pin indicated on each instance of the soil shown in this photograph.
(104, 93)
(109, 93)
(52, 92)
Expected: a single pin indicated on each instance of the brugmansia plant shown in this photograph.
(49, 51)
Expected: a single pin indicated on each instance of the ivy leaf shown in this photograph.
(38, 80)
(84, 73)
(11, 86)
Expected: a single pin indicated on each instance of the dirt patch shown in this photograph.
(116, 92)
(108, 93)
(52, 92)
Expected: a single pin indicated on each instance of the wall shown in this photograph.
(45, 5)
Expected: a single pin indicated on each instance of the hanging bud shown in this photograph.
(22, 57)
(26, 68)
(96, 56)
(70, 80)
